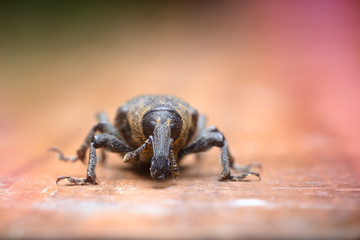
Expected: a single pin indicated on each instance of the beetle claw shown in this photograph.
(241, 177)
(62, 157)
(76, 181)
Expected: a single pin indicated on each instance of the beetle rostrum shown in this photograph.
(161, 125)
(157, 131)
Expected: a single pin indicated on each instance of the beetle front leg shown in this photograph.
(209, 138)
(111, 143)
(90, 174)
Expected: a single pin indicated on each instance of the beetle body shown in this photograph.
(136, 120)
(163, 119)
(156, 130)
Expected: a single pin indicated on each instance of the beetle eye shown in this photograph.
(175, 128)
(148, 127)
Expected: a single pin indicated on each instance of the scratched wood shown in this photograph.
(295, 127)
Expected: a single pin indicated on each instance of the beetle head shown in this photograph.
(161, 125)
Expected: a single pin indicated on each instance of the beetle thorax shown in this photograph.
(161, 116)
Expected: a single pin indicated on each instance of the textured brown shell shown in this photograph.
(129, 118)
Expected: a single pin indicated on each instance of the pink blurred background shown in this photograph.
(314, 48)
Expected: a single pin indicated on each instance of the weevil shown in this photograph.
(158, 131)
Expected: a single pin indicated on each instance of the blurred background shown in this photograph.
(279, 78)
(273, 75)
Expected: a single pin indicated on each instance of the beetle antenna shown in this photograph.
(131, 155)
(174, 168)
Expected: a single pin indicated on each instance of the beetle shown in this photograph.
(157, 130)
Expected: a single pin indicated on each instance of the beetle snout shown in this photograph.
(160, 168)
(159, 177)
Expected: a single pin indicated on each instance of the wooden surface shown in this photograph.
(281, 100)
(301, 200)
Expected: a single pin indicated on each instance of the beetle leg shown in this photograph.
(209, 138)
(111, 143)
(76, 181)
(201, 124)
(90, 176)
(104, 126)
(131, 155)
(62, 157)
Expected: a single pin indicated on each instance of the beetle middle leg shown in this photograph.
(103, 126)
(107, 141)
(210, 137)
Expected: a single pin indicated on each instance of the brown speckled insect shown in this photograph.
(158, 131)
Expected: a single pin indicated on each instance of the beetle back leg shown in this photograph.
(211, 137)
(103, 126)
